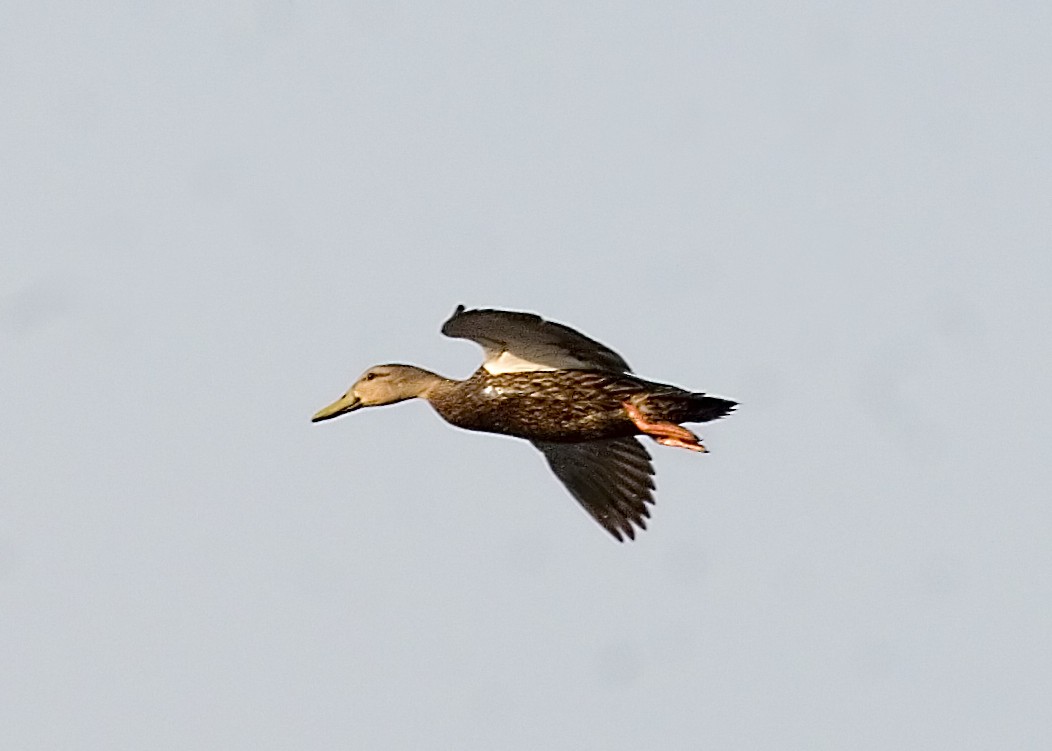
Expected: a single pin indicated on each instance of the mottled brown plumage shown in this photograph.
(572, 397)
(566, 406)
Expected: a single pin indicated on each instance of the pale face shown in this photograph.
(379, 385)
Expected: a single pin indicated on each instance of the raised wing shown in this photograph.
(612, 479)
(516, 342)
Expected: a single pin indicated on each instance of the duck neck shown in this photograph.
(434, 386)
(449, 398)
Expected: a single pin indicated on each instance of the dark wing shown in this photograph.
(516, 342)
(611, 478)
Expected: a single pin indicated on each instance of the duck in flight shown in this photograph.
(573, 398)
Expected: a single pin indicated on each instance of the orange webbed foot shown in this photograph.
(665, 433)
(692, 445)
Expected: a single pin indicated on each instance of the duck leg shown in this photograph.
(665, 433)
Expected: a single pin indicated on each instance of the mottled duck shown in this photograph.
(573, 398)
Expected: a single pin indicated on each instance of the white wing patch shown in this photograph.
(503, 361)
(518, 342)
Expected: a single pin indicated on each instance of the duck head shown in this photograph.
(379, 385)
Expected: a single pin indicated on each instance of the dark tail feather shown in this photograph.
(704, 408)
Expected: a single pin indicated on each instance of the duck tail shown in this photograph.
(702, 408)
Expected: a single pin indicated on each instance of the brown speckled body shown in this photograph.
(566, 406)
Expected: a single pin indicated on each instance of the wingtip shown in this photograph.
(456, 314)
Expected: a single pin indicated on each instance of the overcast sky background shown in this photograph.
(214, 218)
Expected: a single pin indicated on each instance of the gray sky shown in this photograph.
(214, 218)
